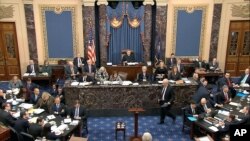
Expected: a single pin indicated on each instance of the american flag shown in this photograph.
(91, 46)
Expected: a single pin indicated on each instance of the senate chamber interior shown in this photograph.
(124, 70)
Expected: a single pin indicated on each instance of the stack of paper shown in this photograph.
(126, 82)
(215, 129)
(115, 82)
(50, 117)
(16, 115)
(26, 105)
(74, 83)
(67, 120)
(135, 84)
(26, 74)
(223, 112)
(33, 120)
(63, 127)
(233, 103)
(38, 111)
(75, 122)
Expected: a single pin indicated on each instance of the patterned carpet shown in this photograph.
(103, 128)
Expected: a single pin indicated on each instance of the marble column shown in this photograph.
(215, 31)
(88, 16)
(161, 25)
(31, 33)
(147, 32)
(102, 34)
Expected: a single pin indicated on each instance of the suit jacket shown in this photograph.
(168, 97)
(53, 92)
(29, 90)
(174, 77)
(6, 118)
(47, 69)
(224, 81)
(189, 112)
(68, 72)
(35, 130)
(29, 69)
(2, 100)
(61, 109)
(86, 68)
(197, 64)
(245, 119)
(227, 126)
(201, 109)
(127, 58)
(221, 99)
(82, 112)
(202, 92)
(161, 71)
(247, 80)
(32, 98)
(173, 62)
(18, 84)
(148, 77)
(215, 66)
(22, 125)
(83, 60)
(181, 70)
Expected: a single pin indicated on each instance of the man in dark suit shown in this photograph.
(22, 124)
(171, 61)
(128, 57)
(144, 76)
(205, 107)
(202, 92)
(58, 108)
(32, 68)
(214, 65)
(70, 71)
(2, 99)
(166, 101)
(224, 96)
(36, 129)
(224, 126)
(29, 87)
(35, 96)
(77, 112)
(245, 79)
(180, 67)
(89, 69)
(191, 110)
(245, 117)
(201, 65)
(6, 115)
(226, 80)
(79, 62)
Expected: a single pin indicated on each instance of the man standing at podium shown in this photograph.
(166, 100)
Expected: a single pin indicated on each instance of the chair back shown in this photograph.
(15, 136)
(27, 137)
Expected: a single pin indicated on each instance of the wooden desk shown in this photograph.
(4, 133)
(39, 79)
(131, 71)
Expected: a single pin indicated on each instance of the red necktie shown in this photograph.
(229, 83)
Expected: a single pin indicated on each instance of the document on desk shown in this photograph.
(50, 117)
(16, 115)
(26, 74)
(67, 120)
(223, 112)
(38, 111)
(26, 105)
(233, 103)
(215, 129)
(33, 120)
(74, 83)
(206, 138)
(74, 122)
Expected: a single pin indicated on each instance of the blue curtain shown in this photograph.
(126, 34)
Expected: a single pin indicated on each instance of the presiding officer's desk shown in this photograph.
(111, 100)
(131, 71)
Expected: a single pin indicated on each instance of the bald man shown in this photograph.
(70, 71)
(245, 78)
(144, 76)
(166, 101)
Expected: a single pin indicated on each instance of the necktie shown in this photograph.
(205, 107)
(244, 79)
(178, 67)
(193, 111)
(79, 62)
(77, 112)
(163, 93)
(33, 69)
(229, 83)
(35, 97)
(57, 107)
(226, 96)
(89, 68)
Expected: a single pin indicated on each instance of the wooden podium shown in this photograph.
(136, 112)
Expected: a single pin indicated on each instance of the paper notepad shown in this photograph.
(233, 103)
(215, 129)
(74, 83)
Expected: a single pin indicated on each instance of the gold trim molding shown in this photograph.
(190, 10)
(58, 9)
(6, 11)
(242, 11)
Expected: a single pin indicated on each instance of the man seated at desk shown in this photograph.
(144, 76)
(15, 82)
(199, 64)
(58, 108)
(70, 71)
(32, 68)
(46, 68)
(129, 57)
(214, 65)
(245, 78)
(90, 69)
(171, 61)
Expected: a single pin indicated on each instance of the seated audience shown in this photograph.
(32, 68)
(70, 71)
(22, 124)
(191, 110)
(245, 118)
(199, 64)
(6, 115)
(46, 68)
(102, 74)
(48, 134)
(214, 65)
(174, 74)
(45, 102)
(128, 57)
(245, 78)
(36, 129)
(224, 96)
(90, 69)
(144, 76)
(171, 61)
(78, 111)
(35, 96)
(115, 77)
(29, 87)
(180, 67)
(53, 90)
(58, 108)
(79, 62)
(147, 137)
(226, 80)
(60, 94)
(15, 82)
(161, 72)
(2, 98)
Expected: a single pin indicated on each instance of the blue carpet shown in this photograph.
(103, 128)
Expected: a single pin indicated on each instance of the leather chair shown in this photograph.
(27, 137)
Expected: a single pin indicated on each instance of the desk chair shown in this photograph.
(185, 122)
(15, 136)
(27, 137)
